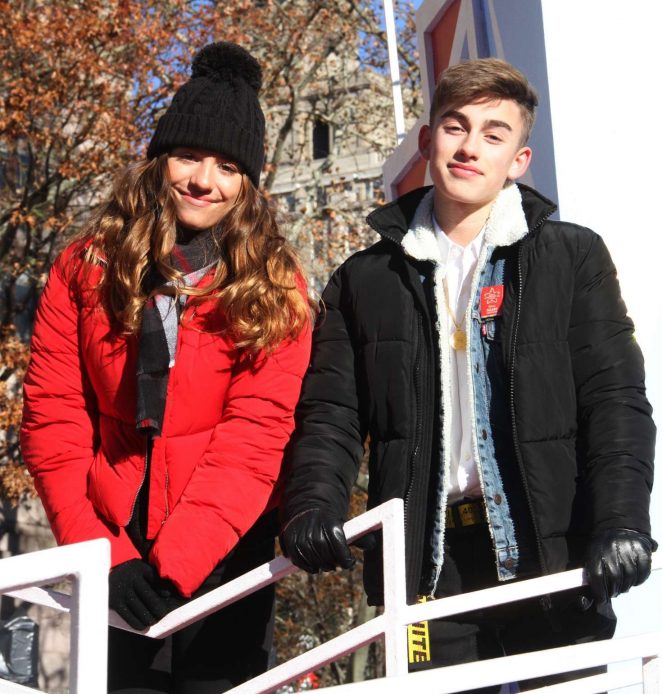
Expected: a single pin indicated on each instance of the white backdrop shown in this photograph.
(604, 69)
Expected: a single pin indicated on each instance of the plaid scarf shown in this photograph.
(157, 341)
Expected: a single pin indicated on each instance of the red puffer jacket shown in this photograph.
(214, 469)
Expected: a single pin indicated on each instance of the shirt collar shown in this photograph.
(445, 244)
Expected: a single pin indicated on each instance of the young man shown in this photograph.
(487, 354)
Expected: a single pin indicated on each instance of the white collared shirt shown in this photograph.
(460, 267)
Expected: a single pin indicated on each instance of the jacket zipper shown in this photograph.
(419, 424)
(413, 520)
(148, 442)
(545, 600)
(165, 494)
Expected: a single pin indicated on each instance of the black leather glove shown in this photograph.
(616, 560)
(315, 541)
(138, 594)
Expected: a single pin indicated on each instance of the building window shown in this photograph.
(321, 140)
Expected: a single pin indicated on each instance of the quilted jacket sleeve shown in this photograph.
(616, 434)
(234, 482)
(58, 431)
(327, 446)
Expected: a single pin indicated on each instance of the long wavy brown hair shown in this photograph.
(258, 280)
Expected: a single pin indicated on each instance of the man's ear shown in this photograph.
(424, 141)
(520, 164)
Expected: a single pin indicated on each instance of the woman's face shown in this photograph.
(204, 185)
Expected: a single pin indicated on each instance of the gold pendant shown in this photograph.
(459, 340)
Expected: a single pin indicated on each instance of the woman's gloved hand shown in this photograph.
(138, 594)
(616, 560)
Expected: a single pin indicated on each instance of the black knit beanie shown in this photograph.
(217, 109)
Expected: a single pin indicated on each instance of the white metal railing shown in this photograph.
(458, 678)
(87, 564)
(391, 624)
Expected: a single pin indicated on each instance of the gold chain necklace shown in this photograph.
(458, 338)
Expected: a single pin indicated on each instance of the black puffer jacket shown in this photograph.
(582, 432)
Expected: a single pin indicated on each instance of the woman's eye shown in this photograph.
(229, 168)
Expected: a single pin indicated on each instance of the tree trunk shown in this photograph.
(360, 657)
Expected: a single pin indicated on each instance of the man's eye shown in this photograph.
(453, 128)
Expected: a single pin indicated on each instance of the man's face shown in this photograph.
(473, 150)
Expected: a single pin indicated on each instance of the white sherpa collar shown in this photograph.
(505, 225)
(419, 242)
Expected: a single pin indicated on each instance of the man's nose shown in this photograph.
(469, 146)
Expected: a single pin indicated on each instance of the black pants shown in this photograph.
(212, 655)
(517, 627)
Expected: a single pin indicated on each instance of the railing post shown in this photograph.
(395, 589)
(89, 622)
(651, 676)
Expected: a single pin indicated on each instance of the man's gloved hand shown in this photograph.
(135, 592)
(616, 560)
(315, 541)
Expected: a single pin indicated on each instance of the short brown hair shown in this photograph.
(485, 78)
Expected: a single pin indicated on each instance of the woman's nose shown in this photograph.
(201, 177)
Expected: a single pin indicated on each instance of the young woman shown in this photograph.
(168, 352)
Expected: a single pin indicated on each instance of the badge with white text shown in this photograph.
(491, 301)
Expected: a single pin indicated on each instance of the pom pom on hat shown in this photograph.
(217, 109)
(225, 61)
